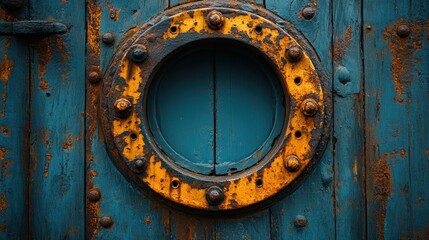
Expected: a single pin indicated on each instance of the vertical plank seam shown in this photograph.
(363, 119)
(27, 135)
(334, 197)
(85, 142)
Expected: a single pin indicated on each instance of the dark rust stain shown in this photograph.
(186, 226)
(44, 53)
(3, 228)
(6, 67)
(61, 48)
(114, 14)
(68, 143)
(47, 163)
(148, 220)
(44, 85)
(3, 202)
(403, 60)
(7, 16)
(341, 44)
(5, 131)
(381, 177)
(92, 98)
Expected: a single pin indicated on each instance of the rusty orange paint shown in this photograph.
(240, 191)
(3, 202)
(341, 44)
(6, 67)
(47, 163)
(403, 60)
(114, 14)
(44, 85)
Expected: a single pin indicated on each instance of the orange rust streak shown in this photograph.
(47, 163)
(3, 202)
(402, 50)
(114, 14)
(6, 67)
(342, 43)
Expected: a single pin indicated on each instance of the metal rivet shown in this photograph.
(292, 163)
(403, 31)
(368, 27)
(106, 221)
(215, 20)
(140, 164)
(309, 107)
(108, 38)
(300, 221)
(308, 12)
(123, 107)
(214, 195)
(293, 53)
(94, 77)
(94, 195)
(138, 54)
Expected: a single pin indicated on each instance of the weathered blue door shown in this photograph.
(116, 124)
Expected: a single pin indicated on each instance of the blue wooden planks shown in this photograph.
(57, 125)
(313, 200)
(14, 116)
(134, 217)
(395, 122)
(178, 2)
(348, 121)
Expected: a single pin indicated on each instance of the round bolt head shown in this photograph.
(140, 165)
(300, 221)
(292, 163)
(215, 20)
(94, 77)
(309, 107)
(138, 54)
(106, 221)
(308, 12)
(108, 38)
(293, 53)
(214, 195)
(123, 107)
(94, 195)
(403, 31)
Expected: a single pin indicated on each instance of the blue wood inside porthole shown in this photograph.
(216, 107)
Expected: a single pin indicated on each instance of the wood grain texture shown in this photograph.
(348, 121)
(57, 125)
(134, 216)
(396, 135)
(314, 198)
(179, 2)
(14, 117)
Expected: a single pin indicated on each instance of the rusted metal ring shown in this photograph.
(259, 186)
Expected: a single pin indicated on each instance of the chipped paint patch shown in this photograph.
(341, 44)
(403, 60)
(114, 14)
(44, 85)
(4, 131)
(47, 163)
(6, 67)
(3, 202)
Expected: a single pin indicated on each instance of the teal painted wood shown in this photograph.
(178, 2)
(14, 117)
(313, 199)
(395, 122)
(244, 85)
(57, 125)
(348, 121)
(181, 110)
(134, 216)
(256, 226)
(418, 151)
(184, 226)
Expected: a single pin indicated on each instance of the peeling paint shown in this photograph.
(114, 14)
(3, 202)
(341, 44)
(403, 60)
(47, 163)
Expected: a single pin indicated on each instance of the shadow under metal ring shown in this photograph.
(291, 158)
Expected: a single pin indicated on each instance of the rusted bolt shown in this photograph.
(108, 38)
(138, 54)
(215, 20)
(94, 195)
(123, 107)
(368, 27)
(214, 195)
(106, 221)
(308, 12)
(140, 164)
(292, 163)
(94, 77)
(403, 31)
(293, 53)
(300, 221)
(309, 107)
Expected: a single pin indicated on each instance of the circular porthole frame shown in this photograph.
(295, 153)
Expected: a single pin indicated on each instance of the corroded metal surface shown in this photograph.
(134, 65)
